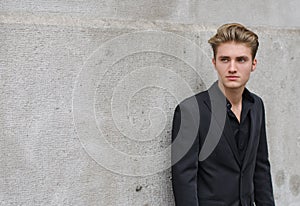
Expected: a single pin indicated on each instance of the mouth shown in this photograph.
(232, 78)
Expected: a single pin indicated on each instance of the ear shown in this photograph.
(213, 61)
(254, 63)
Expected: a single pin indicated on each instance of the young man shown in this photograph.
(230, 167)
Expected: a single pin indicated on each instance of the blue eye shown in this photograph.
(224, 60)
(242, 59)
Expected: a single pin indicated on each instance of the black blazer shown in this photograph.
(220, 179)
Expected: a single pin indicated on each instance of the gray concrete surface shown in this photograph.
(88, 88)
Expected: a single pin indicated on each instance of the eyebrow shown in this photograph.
(224, 57)
(239, 57)
(243, 57)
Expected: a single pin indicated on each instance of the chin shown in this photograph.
(233, 85)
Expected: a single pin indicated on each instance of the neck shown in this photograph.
(233, 95)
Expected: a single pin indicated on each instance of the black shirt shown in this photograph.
(241, 130)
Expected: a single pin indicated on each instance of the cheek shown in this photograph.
(221, 73)
(220, 69)
(247, 72)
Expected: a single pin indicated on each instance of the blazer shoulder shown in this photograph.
(199, 97)
(257, 99)
(192, 103)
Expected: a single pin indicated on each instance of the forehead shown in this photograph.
(233, 49)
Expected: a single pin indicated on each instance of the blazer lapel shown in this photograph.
(217, 98)
(255, 119)
(228, 133)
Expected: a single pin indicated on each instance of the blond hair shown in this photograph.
(234, 32)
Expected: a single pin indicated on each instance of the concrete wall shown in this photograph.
(88, 89)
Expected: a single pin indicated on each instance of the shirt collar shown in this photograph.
(247, 95)
(247, 98)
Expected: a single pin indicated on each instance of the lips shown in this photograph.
(232, 78)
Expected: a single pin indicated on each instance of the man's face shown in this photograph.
(234, 64)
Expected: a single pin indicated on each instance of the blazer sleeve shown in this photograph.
(184, 164)
(263, 190)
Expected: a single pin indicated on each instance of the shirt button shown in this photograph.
(241, 146)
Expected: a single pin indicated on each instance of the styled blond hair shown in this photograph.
(234, 32)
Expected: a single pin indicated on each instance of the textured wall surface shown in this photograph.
(88, 89)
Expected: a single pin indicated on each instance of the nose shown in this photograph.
(232, 67)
